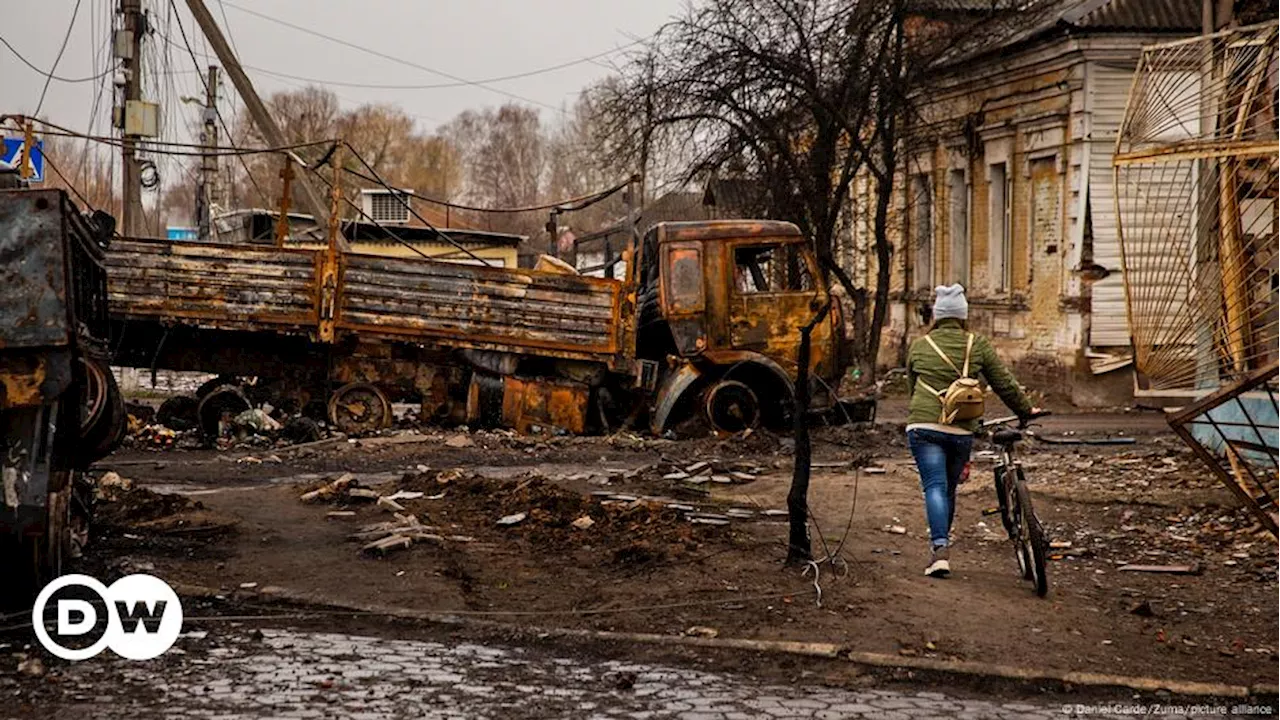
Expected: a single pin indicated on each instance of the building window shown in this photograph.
(1000, 229)
(958, 191)
(922, 220)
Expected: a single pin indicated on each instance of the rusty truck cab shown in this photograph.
(733, 295)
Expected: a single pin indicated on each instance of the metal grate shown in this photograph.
(1234, 432)
(1196, 190)
(387, 206)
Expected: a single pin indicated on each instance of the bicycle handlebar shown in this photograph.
(1022, 422)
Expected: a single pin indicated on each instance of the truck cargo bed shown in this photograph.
(245, 288)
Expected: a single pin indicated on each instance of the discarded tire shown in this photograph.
(179, 413)
(218, 408)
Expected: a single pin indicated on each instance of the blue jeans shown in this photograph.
(940, 458)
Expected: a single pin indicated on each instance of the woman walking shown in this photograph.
(945, 408)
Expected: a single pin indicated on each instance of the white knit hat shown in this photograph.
(950, 302)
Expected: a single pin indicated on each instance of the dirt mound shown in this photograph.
(555, 520)
(139, 510)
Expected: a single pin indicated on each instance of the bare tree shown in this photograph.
(504, 153)
(782, 92)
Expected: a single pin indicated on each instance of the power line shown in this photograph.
(392, 58)
(348, 100)
(50, 75)
(230, 139)
(75, 13)
(441, 86)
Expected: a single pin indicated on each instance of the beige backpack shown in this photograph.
(963, 399)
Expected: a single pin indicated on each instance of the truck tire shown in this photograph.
(218, 403)
(179, 413)
(357, 408)
(730, 406)
(103, 421)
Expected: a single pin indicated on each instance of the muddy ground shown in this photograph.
(642, 564)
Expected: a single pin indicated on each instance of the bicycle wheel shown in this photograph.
(1017, 533)
(1033, 541)
(1002, 496)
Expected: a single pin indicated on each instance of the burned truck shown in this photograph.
(703, 328)
(60, 408)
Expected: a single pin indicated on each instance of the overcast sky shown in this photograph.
(467, 39)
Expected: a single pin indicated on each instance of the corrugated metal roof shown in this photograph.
(1006, 29)
(1158, 15)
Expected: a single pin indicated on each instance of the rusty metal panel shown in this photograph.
(33, 282)
(496, 308)
(527, 403)
(223, 286)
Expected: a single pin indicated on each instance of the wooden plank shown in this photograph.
(367, 282)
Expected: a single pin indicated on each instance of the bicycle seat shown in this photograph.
(1006, 436)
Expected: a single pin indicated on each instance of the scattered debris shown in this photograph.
(400, 534)
(112, 481)
(873, 470)
(1192, 569)
(329, 491)
(583, 522)
(895, 529)
(31, 667)
(1142, 609)
(460, 441)
(513, 519)
(702, 631)
(389, 504)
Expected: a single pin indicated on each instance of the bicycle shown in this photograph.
(1016, 510)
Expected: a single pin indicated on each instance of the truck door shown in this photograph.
(683, 295)
(774, 292)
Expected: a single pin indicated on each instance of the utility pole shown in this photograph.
(258, 111)
(129, 48)
(209, 162)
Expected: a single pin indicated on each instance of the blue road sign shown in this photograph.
(13, 154)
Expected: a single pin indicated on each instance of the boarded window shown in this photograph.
(922, 200)
(771, 269)
(999, 228)
(684, 289)
(958, 210)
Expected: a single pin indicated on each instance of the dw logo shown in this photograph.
(138, 617)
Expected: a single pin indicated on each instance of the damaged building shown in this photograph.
(1005, 185)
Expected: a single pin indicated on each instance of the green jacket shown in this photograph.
(924, 364)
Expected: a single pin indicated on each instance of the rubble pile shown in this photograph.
(618, 528)
(123, 507)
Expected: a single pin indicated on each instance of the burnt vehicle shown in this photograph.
(704, 326)
(60, 408)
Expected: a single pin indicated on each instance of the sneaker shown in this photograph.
(940, 566)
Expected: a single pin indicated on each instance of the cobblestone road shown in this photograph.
(286, 674)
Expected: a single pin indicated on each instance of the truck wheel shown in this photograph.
(359, 408)
(219, 405)
(103, 421)
(730, 406)
(179, 413)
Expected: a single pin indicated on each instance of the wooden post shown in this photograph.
(253, 103)
(135, 23)
(329, 269)
(25, 171)
(286, 193)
